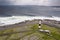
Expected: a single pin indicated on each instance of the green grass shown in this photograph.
(27, 32)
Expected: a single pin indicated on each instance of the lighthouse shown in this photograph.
(39, 25)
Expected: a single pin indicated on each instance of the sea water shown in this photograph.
(15, 14)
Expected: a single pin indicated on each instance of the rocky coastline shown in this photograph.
(48, 22)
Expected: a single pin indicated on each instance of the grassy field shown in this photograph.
(30, 32)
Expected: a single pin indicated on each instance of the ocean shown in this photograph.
(29, 11)
(14, 14)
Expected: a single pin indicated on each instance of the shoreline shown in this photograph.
(17, 19)
(31, 22)
(20, 24)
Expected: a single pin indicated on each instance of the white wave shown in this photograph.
(17, 19)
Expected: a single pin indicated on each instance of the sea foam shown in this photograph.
(17, 19)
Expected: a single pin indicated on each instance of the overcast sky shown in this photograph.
(30, 2)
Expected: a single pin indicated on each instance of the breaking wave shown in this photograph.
(17, 19)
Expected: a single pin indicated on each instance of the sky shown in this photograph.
(30, 2)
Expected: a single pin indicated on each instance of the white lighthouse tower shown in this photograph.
(39, 25)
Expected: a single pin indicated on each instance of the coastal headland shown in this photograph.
(28, 30)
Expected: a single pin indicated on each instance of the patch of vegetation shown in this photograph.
(29, 32)
(34, 27)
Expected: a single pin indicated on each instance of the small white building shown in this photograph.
(45, 31)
